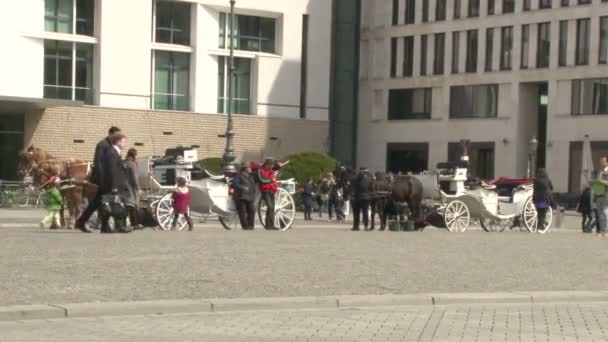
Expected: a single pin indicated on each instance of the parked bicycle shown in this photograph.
(20, 194)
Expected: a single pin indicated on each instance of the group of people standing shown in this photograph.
(593, 205)
(334, 192)
(113, 175)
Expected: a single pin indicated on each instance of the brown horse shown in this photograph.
(74, 174)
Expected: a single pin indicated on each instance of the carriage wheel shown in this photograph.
(164, 214)
(495, 225)
(530, 218)
(284, 212)
(457, 217)
(230, 222)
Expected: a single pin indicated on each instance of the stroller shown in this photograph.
(113, 206)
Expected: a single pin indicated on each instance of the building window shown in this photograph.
(471, 62)
(410, 11)
(63, 15)
(171, 80)
(563, 43)
(440, 10)
(603, 40)
(544, 45)
(481, 158)
(406, 104)
(565, 3)
(256, 34)
(408, 56)
(584, 2)
(425, 11)
(68, 71)
(508, 6)
(491, 7)
(457, 9)
(241, 85)
(506, 47)
(590, 96)
(544, 4)
(423, 50)
(527, 5)
(525, 46)
(489, 49)
(394, 42)
(395, 12)
(406, 158)
(172, 22)
(478, 101)
(473, 8)
(439, 57)
(582, 41)
(455, 52)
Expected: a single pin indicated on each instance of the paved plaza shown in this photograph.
(314, 259)
(461, 323)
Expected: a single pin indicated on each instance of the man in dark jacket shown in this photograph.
(244, 197)
(115, 181)
(362, 187)
(97, 177)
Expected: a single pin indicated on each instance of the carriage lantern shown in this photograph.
(229, 155)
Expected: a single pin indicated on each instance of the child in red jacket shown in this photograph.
(181, 203)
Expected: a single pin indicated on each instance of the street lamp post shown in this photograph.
(532, 150)
(229, 155)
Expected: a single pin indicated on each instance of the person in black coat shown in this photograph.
(115, 180)
(244, 186)
(308, 196)
(362, 187)
(585, 209)
(97, 177)
(543, 189)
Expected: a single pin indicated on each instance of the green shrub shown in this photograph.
(307, 165)
(213, 165)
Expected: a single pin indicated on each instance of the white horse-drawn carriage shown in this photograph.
(450, 196)
(211, 194)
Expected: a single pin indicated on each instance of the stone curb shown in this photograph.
(34, 312)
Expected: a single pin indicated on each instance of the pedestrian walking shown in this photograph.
(244, 196)
(325, 185)
(267, 179)
(308, 194)
(97, 176)
(131, 169)
(181, 203)
(584, 208)
(600, 194)
(54, 204)
(543, 189)
(362, 187)
(114, 183)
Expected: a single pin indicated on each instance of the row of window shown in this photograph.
(583, 34)
(475, 101)
(589, 97)
(68, 72)
(408, 8)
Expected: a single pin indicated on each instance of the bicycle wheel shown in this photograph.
(21, 197)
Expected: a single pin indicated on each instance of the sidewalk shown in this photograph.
(553, 317)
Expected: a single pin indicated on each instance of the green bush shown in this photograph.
(213, 165)
(307, 165)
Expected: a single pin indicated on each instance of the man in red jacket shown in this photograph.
(267, 178)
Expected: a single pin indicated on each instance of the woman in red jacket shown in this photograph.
(267, 178)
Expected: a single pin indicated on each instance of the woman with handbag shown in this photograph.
(543, 189)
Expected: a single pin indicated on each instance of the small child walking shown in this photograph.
(54, 203)
(181, 202)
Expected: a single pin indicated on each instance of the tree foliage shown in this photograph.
(305, 165)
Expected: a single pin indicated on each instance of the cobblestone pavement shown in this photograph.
(70, 267)
(539, 323)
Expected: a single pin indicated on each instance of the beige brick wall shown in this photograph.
(55, 130)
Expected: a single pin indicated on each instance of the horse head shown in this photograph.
(25, 163)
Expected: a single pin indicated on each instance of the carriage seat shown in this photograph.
(488, 186)
(211, 176)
